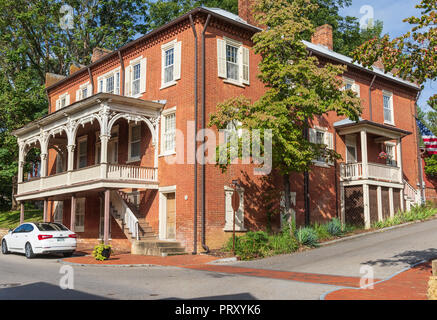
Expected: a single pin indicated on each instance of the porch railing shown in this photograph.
(355, 171)
(411, 193)
(130, 221)
(88, 174)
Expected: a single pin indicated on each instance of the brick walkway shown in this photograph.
(409, 285)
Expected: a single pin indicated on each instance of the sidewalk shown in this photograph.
(408, 285)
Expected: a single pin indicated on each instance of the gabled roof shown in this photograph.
(323, 51)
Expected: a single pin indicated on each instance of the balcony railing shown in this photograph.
(355, 171)
(90, 174)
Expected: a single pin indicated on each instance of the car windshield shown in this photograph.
(50, 226)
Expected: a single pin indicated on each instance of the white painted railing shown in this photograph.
(129, 218)
(411, 193)
(88, 174)
(124, 172)
(354, 171)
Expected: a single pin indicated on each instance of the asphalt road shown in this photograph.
(387, 253)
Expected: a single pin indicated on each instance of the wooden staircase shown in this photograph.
(146, 242)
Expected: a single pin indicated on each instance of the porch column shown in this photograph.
(104, 155)
(20, 163)
(21, 212)
(70, 162)
(379, 196)
(43, 172)
(46, 210)
(364, 159)
(366, 204)
(399, 159)
(73, 213)
(106, 217)
(390, 198)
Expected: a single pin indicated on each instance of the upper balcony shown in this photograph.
(79, 149)
(364, 142)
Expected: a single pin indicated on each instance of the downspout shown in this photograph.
(195, 134)
(203, 135)
(306, 176)
(370, 96)
(419, 158)
(91, 80)
(122, 74)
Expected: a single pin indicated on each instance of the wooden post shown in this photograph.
(106, 218)
(73, 213)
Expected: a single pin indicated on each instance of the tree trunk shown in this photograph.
(14, 202)
(287, 198)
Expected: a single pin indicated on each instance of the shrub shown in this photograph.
(98, 250)
(334, 227)
(307, 236)
(322, 231)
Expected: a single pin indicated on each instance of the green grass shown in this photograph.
(11, 219)
(415, 214)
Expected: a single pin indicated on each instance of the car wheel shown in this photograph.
(4, 247)
(67, 254)
(28, 251)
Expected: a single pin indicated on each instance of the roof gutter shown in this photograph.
(90, 75)
(122, 72)
(419, 158)
(203, 134)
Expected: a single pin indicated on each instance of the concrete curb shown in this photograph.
(327, 243)
(224, 260)
(108, 265)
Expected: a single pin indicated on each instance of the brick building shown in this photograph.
(117, 145)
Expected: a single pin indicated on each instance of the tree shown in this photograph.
(33, 42)
(411, 56)
(298, 88)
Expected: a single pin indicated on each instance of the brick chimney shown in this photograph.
(323, 37)
(74, 67)
(245, 11)
(98, 53)
(52, 78)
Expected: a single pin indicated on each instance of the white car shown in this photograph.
(40, 238)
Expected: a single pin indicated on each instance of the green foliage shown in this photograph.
(11, 219)
(97, 252)
(322, 231)
(420, 212)
(431, 165)
(260, 244)
(334, 227)
(307, 236)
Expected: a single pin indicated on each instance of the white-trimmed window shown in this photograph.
(168, 137)
(135, 78)
(390, 149)
(350, 84)
(134, 142)
(320, 135)
(388, 107)
(171, 63)
(84, 91)
(82, 152)
(233, 61)
(109, 82)
(229, 212)
(79, 225)
(63, 101)
(351, 149)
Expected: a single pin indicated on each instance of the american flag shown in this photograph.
(429, 139)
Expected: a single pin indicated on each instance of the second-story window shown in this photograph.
(388, 107)
(321, 136)
(233, 61)
(134, 142)
(171, 63)
(63, 101)
(82, 152)
(168, 132)
(110, 82)
(136, 79)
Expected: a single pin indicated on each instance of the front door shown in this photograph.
(171, 216)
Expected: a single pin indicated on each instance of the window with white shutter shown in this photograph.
(350, 84)
(388, 107)
(109, 82)
(168, 132)
(233, 62)
(82, 152)
(134, 142)
(322, 136)
(171, 63)
(63, 101)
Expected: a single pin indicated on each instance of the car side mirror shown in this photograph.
(10, 230)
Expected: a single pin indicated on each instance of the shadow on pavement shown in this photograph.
(409, 257)
(236, 296)
(44, 291)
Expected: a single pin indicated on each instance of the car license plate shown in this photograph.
(60, 239)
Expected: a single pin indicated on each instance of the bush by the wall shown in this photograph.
(307, 236)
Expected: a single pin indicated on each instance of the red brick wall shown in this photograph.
(259, 192)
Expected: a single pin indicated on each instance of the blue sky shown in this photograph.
(392, 12)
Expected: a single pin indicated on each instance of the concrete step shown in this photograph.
(157, 247)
